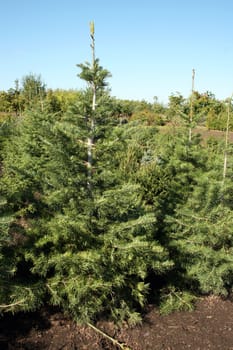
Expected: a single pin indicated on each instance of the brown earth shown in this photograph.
(201, 130)
(215, 134)
(209, 326)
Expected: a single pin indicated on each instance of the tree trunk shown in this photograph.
(90, 140)
(191, 108)
(226, 140)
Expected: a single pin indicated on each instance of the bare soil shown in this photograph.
(214, 134)
(205, 133)
(209, 326)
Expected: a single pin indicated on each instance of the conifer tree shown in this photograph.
(200, 233)
(89, 254)
(168, 170)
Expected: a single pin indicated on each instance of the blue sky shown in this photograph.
(149, 46)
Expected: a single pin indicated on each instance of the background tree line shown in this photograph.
(31, 91)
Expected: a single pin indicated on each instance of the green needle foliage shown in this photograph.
(96, 209)
(201, 238)
(87, 238)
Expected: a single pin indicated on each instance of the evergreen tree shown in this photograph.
(200, 233)
(168, 171)
(33, 90)
(87, 248)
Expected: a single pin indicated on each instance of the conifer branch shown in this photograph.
(20, 302)
(182, 300)
(114, 341)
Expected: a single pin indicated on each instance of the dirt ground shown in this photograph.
(209, 326)
(215, 134)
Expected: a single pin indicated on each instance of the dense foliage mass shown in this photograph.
(107, 203)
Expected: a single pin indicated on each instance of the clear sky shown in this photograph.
(149, 46)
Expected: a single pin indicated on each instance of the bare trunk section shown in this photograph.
(90, 140)
(226, 139)
(191, 107)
